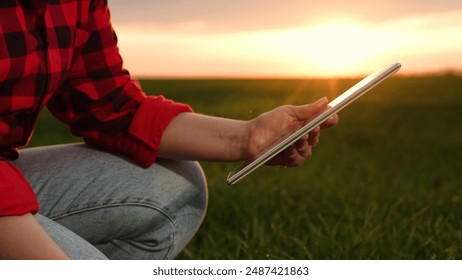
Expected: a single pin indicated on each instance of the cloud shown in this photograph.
(430, 33)
(250, 15)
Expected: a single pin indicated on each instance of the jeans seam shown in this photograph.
(125, 204)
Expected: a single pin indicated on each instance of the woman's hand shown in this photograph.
(273, 126)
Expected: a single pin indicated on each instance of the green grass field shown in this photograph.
(385, 183)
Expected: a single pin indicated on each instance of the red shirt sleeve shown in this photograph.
(17, 196)
(101, 103)
(148, 124)
(141, 142)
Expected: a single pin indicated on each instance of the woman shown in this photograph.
(133, 191)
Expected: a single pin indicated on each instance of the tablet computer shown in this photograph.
(334, 106)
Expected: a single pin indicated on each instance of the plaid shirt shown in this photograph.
(63, 54)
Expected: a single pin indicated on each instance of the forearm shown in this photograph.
(193, 136)
(21, 237)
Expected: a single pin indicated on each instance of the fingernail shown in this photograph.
(321, 101)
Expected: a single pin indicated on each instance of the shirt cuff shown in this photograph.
(17, 197)
(149, 123)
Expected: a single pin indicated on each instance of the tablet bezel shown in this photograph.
(335, 106)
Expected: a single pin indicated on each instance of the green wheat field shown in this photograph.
(385, 183)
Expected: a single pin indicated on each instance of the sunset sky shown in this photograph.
(287, 38)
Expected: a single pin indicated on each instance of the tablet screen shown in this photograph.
(334, 106)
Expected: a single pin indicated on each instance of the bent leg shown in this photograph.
(124, 210)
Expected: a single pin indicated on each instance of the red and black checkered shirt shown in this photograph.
(63, 54)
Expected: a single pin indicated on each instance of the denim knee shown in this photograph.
(188, 218)
(156, 229)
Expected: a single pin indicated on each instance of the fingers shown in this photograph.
(305, 112)
(292, 118)
(333, 120)
(302, 149)
(295, 156)
(313, 136)
(297, 153)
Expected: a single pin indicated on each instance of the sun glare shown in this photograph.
(334, 49)
(338, 47)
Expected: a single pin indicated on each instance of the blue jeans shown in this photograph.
(99, 205)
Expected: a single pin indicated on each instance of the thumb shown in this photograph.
(305, 112)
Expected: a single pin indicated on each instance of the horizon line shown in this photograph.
(448, 72)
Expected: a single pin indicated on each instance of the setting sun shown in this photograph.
(331, 49)
(337, 47)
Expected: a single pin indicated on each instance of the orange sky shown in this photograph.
(223, 38)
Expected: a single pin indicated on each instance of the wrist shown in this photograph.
(243, 143)
(251, 142)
